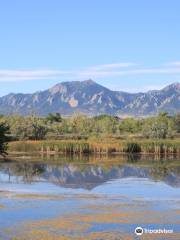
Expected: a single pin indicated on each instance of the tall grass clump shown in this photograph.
(106, 146)
(65, 146)
(133, 147)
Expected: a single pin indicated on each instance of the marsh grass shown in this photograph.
(105, 146)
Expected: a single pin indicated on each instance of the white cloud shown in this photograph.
(175, 64)
(22, 75)
(139, 71)
(93, 72)
(111, 66)
(154, 70)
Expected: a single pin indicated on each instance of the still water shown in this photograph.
(66, 197)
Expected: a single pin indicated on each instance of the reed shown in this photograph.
(105, 146)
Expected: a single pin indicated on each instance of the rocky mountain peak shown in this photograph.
(174, 86)
(91, 98)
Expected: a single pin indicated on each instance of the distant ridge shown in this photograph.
(90, 98)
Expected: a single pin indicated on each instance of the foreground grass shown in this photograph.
(105, 146)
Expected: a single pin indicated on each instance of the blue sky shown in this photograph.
(130, 45)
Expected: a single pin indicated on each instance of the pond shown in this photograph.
(100, 197)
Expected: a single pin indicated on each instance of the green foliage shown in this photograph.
(105, 125)
(24, 128)
(54, 117)
(82, 127)
(130, 125)
(4, 129)
(38, 130)
(79, 124)
(177, 123)
(158, 127)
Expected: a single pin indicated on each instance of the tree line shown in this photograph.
(55, 126)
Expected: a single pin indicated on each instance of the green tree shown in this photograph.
(105, 124)
(130, 125)
(29, 127)
(80, 124)
(4, 129)
(177, 123)
(54, 117)
(158, 127)
(39, 130)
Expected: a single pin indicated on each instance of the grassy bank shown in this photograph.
(106, 146)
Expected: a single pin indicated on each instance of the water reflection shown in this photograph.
(75, 173)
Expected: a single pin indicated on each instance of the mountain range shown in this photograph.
(90, 98)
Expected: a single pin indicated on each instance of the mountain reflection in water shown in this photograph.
(89, 175)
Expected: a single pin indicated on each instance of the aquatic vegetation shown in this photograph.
(38, 196)
(79, 226)
(45, 235)
(105, 146)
